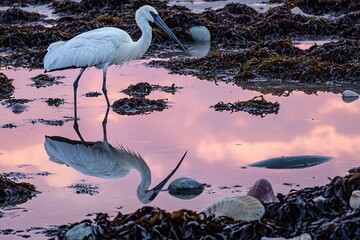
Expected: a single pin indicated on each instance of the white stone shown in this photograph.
(200, 34)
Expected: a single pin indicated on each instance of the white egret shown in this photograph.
(100, 159)
(104, 47)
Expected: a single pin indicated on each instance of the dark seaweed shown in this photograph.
(138, 105)
(12, 193)
(6, 87)
(323, 212)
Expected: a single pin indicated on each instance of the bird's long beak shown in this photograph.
(161, 24)
(160, 186)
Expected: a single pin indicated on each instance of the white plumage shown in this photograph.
(104, 47)
(100, 159)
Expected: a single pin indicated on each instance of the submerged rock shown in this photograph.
(185, 188)
(18, 108)
(289, 162)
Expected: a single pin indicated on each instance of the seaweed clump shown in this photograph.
(55, 102)
(17, 15)
(322, 212)
(279, 66)
(257, 106)
(12, 193)
(6, 87)
(45, 80)
(143, 89)
(137, 105)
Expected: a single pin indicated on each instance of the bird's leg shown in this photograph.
(76, 126)
(104, 123)
(104, 87)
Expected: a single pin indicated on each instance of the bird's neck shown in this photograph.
(145, 40)
(143, 188)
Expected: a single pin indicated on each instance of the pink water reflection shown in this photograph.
(218, 144)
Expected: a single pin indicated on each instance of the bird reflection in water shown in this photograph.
(101, 159)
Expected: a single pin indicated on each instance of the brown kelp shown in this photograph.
(257, 106)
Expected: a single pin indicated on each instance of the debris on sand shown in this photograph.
(12, 193)
(257, 106)
(137, 105)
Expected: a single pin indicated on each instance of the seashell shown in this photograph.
(185, 188)
(263, 191)
(354, 201)
(304, 236)
(200, 34)
(349, 96)
(245, 208)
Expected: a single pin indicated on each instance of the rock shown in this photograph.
(200, 34)
(18, 108)
(185, 188)
(349, 96)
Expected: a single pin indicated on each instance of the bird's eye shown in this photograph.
(153, 14)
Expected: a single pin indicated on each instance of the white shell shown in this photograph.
(245, 208)
(263, 191)
(200, 34)
(304, 236)
(355, 199)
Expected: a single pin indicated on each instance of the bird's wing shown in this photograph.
(92, 48)
(88, 159)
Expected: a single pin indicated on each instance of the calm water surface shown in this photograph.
(219, 144)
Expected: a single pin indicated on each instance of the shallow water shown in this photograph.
(198, 6)
(220, 145)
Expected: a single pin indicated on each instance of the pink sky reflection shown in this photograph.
(218, 144)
